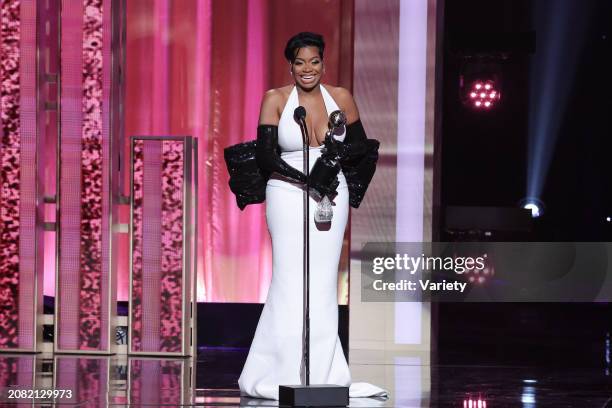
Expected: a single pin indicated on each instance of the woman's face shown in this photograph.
(307, 67)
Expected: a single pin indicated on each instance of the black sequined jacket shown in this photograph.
(248, 181)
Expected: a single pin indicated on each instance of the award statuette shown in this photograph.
(327, 167)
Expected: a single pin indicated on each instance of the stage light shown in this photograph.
(528, 397)
(480, 79)
(475, 403)
(485, 99)
(535, 210)
(480, 93)
(607, 352)
(609, 219)
(534, 205)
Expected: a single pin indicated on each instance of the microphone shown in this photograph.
(299, 114)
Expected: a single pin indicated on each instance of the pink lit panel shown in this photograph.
(17, 174)
(90, 310)
(157, 258)
(84, 182)
(137, 237)
(10, 162)
(172, 246)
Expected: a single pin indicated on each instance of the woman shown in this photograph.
(275, 357)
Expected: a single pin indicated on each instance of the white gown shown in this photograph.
(276, 352)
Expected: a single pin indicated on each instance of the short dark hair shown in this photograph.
(301, 40)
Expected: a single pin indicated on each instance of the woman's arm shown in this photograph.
(353, 145)
(358, 154)
(267, 139)
(347, 104)
(269, 112)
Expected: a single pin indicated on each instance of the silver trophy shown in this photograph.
(324, 211)
(337, 119)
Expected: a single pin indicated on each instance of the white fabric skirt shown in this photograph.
(275, 357)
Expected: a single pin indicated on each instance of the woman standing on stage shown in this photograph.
(275, 357)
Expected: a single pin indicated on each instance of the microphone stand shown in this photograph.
(306, 254)
(307, 395)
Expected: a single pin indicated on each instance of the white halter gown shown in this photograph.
(276, 352)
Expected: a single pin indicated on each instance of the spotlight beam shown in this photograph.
(560, 40)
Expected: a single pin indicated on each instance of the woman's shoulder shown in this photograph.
(277, 94)
(277, 97)
(272, 103)
(338, 92)
(345, 101)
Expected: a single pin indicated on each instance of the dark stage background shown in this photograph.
(554, 116)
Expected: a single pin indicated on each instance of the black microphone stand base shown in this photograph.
(314, 395)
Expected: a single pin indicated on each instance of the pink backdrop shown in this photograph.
(200, 68)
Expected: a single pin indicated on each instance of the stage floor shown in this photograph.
(411, 381)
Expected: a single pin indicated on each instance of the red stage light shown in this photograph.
(475, 403)
(479, 98)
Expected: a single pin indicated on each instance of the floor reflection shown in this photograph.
(17, 370)
(159, 382)
(85, 379)
(210, 380)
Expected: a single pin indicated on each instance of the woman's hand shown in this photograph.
(268, 158)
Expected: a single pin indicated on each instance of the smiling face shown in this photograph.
(307, 68)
